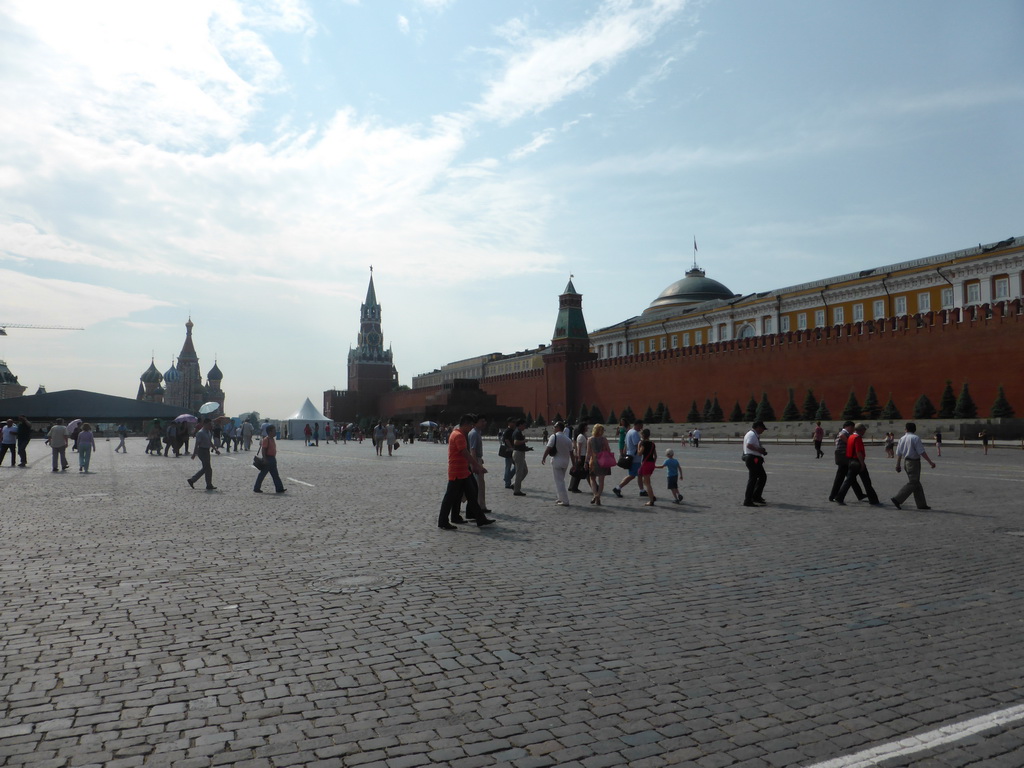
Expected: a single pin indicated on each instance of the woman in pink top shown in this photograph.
(269, 447)
(86, 445)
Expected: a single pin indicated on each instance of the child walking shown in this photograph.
(675, 472)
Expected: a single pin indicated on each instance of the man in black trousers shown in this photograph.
(201, 448)
(843, 464)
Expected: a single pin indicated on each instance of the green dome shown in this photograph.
(692, 289)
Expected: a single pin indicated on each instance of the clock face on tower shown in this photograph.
(372, 339)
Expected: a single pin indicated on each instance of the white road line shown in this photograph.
(925, 741)
(293, 480)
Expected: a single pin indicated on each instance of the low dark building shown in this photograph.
(97, 409)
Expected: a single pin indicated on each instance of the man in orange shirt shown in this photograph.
(461, 466)
(858, 468)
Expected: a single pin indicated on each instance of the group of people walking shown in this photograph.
(590, 457)
(17, 435)
(587, 455)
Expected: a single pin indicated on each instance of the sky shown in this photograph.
(244, 163)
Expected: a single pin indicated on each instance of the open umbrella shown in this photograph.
(209, 407)
(187, 417)
(73, 425)
(428, 423)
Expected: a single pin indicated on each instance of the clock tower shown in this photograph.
(371, 368)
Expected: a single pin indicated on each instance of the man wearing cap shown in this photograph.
(857, 457)
(843, 464)
(910, 450)
(753, 457)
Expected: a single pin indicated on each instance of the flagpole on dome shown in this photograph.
(694, 251)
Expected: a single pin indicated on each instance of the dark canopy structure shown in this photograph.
(88, 406)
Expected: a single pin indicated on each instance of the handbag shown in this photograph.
(606, 459)
(258, 461)
(625, 462)
(503, 451)
(580, 471)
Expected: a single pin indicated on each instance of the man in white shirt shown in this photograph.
(10, 441)
(910, 450)
(58, 440)
(753, 457)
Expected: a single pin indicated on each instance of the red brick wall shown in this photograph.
(898, 358)
(905, 362)
(526, 390)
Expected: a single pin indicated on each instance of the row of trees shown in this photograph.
(950, 406)
(593, 415)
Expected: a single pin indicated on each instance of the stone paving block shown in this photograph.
(816, 632)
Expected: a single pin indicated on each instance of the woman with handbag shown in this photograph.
(599, 460)
(269, 448)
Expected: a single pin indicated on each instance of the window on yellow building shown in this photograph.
(858, 313)
(924, 302)
(1003, 288)
(838, 316)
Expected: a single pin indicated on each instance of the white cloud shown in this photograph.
(538, 141)
(45, 301)
(179, 78)
(403, 24)
(643, 92)
(21, 242)
(436, 5)
(547, 70)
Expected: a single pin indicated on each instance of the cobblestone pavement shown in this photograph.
(146, 624)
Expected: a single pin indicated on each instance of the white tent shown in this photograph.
(307, 414)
